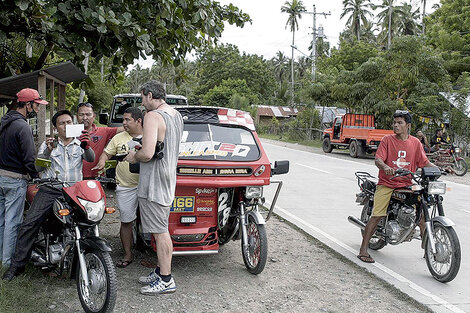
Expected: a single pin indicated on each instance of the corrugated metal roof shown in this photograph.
(66, 72)
(277, 112)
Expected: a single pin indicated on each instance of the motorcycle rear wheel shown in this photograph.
(100, 296)
(256, 254)
(460, 167)
(445, 264)
(376, 242)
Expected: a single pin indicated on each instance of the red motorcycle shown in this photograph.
(448, 157)
(69, 241)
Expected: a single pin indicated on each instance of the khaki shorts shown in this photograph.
(381, 200)
(126, 198)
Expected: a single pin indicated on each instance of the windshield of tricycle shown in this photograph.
(202, 141)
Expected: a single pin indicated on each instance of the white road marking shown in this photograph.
(314, 168)
(383, 268)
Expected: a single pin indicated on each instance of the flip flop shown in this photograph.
(123, 263)
(366, 258)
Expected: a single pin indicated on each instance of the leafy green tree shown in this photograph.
(222, 94)
(224, 62)
(448, 30)
(358, 12)
(120, 29)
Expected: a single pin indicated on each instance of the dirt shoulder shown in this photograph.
(301, 275)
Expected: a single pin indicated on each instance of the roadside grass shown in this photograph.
(317, 143)
(26, 292)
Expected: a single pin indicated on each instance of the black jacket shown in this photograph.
(17, 149)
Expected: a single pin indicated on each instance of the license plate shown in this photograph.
(183, 204)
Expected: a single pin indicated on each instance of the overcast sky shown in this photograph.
(267, 34)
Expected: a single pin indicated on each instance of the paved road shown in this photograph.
(319, 194)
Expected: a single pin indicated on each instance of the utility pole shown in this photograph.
(314, 37)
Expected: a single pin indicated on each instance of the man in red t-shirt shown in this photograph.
(100, 136)
(395, 151)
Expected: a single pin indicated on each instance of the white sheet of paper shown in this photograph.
(73, 130)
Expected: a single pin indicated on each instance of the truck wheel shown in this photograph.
(327, 147)
(353, 149)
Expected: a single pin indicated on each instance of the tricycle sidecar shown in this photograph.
(221, 172)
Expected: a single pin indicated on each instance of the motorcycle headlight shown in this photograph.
(457, 150)
(95, 210)
(436, 188)
(254, 192)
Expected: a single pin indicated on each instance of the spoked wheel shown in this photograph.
(100, 295)
(256, 253)
(445, 264)
(460, 167)
(376, 242)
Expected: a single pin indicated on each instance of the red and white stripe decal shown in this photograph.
(231, 116)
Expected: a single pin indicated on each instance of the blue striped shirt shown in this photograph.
(67, 160)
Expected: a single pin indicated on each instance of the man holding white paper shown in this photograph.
(66, 154)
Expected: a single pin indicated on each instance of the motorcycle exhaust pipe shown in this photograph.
(37, 258)
(355, 221)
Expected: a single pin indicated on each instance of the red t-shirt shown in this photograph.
(100, 136)
(396, 153)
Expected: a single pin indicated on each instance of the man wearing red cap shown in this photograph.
(17, 153)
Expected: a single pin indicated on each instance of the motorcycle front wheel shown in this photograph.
(100, 295)
(256, 254)
(445, 264)
(376, 242)
(460, 167)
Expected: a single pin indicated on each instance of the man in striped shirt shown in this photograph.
(66, 155)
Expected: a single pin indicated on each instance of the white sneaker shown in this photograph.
(159, 287)
(150, 278)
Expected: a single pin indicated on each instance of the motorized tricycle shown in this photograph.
(69, 241)
(221, 172)
(448, 158)
(407, 206)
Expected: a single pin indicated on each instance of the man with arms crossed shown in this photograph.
(395, 151)
(157, 181)
(126, 190)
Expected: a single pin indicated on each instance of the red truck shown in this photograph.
(354, 131)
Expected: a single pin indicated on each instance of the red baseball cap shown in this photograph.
(28, 94)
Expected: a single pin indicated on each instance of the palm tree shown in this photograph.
(388, 18)
(279, 62)
(294, 9)
(408, 23)
(358, 12)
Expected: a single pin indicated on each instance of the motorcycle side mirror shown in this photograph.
(280, 167)
(43, 163)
